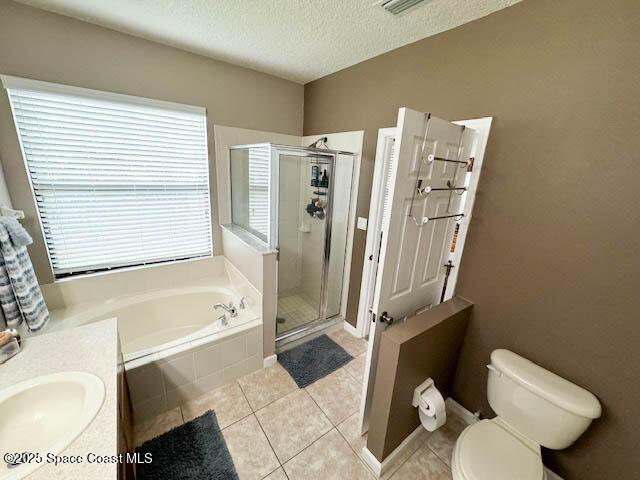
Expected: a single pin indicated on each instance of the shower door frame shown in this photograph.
(275, 150)
(330, 156)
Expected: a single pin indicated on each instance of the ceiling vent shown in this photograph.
(396, 7)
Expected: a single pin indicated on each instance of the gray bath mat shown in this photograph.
(313, 360)
(193, 451)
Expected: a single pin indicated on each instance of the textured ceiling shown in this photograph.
(300, 40)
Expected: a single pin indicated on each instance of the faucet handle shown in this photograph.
(243, 303)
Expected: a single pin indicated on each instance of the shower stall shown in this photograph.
(297, 200)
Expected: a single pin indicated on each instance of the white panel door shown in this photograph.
(415, 243)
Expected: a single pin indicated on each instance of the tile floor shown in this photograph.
(295, 311)
(277, 431)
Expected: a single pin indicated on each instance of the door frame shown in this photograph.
(483, 127)
(374, 222)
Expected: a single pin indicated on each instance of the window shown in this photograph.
(118, 181)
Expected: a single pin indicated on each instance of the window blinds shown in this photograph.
(259, 190)
(118, 181)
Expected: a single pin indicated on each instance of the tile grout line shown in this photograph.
(262, 430)
(273, 401)
(308, 446)
(319, 407)
(352, 449)
(270, 446)
(437, 455)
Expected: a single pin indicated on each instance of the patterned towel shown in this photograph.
(20, 295)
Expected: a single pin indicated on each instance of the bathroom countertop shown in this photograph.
(89, 348)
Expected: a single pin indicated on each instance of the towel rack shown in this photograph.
(10, 212)
(422, 191)
(450, 187)
(432, 158)
(425, 220)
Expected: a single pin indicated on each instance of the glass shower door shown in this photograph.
(302, 227)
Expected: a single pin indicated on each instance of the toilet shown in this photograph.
(535, 408)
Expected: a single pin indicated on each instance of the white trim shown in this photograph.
(461, 412)
(351, 329)
(469, 418)
(373, 232)
(371, 461)
(269, 361)
(551, 475)
(355, 185)
(380, 468)
(10, 82)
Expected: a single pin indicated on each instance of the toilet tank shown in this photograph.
(539, 404)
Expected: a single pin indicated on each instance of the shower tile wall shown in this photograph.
(302, 252)
(311, 243)
(289, 269)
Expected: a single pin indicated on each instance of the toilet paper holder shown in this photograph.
(430, 403)
(417, 393)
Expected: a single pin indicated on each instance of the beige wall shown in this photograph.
(45, 46)
(550, 261)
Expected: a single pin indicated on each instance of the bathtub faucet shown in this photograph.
(230, 309)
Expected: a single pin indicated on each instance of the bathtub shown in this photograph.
(158, 321)
(174, 344)
(165, 320)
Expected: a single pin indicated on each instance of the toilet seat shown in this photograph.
(486, 451)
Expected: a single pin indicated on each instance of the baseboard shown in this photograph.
(270, 360)
(469, 418)
(380, 468)
(454, 407)
(551, 475)
(351, 329)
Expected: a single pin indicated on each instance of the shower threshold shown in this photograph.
(316, 328)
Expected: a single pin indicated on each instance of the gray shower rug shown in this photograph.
(313, 360)
(193, 451)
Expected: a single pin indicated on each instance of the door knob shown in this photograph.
(386, 318)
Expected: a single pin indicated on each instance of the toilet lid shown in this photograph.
(488, 452)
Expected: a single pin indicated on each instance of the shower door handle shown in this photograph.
(277, 254)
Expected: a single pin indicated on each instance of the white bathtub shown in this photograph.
(159, 321)
(162, 321)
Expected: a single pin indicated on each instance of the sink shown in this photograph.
(44, 415)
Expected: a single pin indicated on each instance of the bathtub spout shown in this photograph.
(230, 309)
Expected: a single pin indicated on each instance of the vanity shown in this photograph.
(67, 396)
